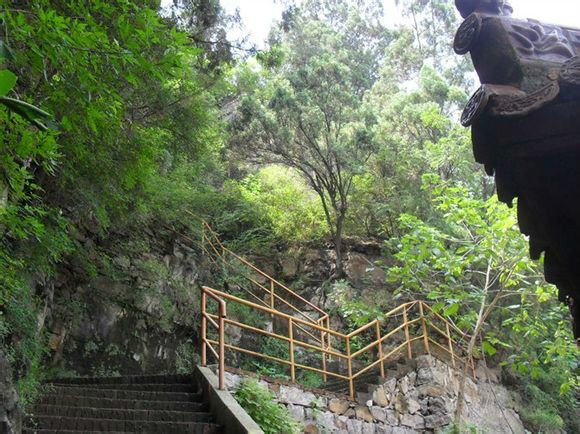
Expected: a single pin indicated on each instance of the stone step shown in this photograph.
(129, 379)
(151, 387)
(60, 431)
(116, 413)
(131, 404)
(60, 424)
(124, 394)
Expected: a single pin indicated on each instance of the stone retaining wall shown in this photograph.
(422, 401)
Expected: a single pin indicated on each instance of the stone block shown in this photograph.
(338, 406)
(293, 395)
(297, 412)
(354, 426)
(390, 386)
(439, 420)
(430, 390)
(414, 421)
(404, 385)
(328, 418)
(340, 422)
(380, 397)
(379, 413)
(368, 428)
(383, 429)
(363, 413)
(413, 406)
(311, 428)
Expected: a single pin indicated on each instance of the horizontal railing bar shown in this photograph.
(211, 292)
(278, 313)
(308, 333)
(320, 349)
(453, 326)
(388, 314)
(320, 371)
(365, 349)
(267, 291)
(442, 333)
(281, 337)
(363, 328)
(438, 330)
(395, 330)
(464, 360)
(366, 368)
(385, 337)
(253, 353)
(461, 359)
(439, 345)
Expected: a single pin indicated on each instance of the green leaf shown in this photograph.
(452, 310)
(7, 81)
(565, 389)
(5, 51)
(489, 348)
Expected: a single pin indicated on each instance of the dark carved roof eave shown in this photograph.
(525, 121)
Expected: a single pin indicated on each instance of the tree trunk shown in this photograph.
(480, 320)
(339, 272)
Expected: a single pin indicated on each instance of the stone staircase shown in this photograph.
(132, 404)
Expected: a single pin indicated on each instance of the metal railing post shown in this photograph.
(450, 342)
(349, 362)
(203, 329)
(222, 361)
(380, 344)
(272, 298)
(291, 350)
(424, 322)
(323, 347)
(407, 334)
(328, 335)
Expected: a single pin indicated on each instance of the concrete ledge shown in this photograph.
(223, 405)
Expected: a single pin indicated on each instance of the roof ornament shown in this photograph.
(494, 7)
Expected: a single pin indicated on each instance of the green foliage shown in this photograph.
(133, 134)
(260, 404)
(290, 208)
(464, 429)
(473, 244)
(545, 408)
(274, 348)
(356, 312)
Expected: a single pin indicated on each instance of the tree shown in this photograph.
(307, 110)
(434, 23)
(472, 261)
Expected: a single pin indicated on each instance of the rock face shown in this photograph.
(421, 401)
(135, 314)
(10, 417)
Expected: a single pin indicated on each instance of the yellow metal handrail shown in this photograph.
(424, 319)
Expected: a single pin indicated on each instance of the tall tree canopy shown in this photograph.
(308, 112)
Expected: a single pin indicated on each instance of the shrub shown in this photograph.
(260, 404)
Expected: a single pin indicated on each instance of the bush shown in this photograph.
(260, 404)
